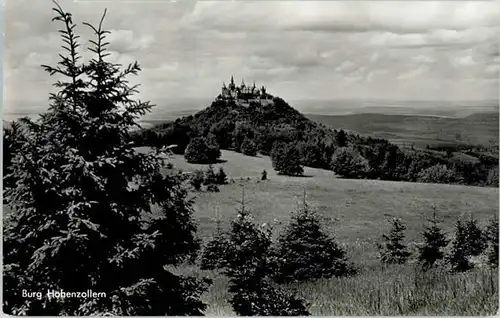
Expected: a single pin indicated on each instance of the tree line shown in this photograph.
(293, 141)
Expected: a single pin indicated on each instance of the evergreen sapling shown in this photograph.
(394, 250)
(460, 252)
(247, 265)
(215, 252)
(304, 251)
(434, 242)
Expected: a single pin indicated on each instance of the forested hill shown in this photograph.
(235, 127)
(230, 124)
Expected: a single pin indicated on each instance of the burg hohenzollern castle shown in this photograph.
(244, 95)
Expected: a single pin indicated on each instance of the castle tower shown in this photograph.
(231, 84)
(242, 83)
(224, 89)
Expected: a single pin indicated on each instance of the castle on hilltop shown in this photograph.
(244, 95)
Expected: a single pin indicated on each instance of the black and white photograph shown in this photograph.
(250, 158)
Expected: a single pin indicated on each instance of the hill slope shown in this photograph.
(229, 125)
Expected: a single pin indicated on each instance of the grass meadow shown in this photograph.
(357, 213)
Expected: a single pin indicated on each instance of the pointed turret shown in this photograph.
(231, 84)
(242, 83)
(223, 84)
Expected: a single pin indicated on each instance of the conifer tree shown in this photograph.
(476, 240)
(492, 235)
(435, 241)
(394, 250)
(82, 198)
(460, 252)
(12, 141)
(249, 245)
(215, 252)
(304, 251)
(341, 138)
(248, 266)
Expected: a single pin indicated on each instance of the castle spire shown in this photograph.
(232, 79)
(223, 84)
(242, 83)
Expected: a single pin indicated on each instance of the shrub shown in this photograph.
(434, 242)
(438, 174)
(348, 162)
(264, 299)
(212, 188)
(75, 223)
(196, 180)
(199, 150)
(305, 251)
(394, 251)
(221, 176)
(286, 159)
(210, 176)
(249, 147)
(264, 175)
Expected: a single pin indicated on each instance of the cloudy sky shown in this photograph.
(298, 49)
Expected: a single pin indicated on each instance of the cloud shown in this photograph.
(344, 16)
(306, 49)
(128, 41)
(346, 66)
(464, 61)
(412, 73)
(424, 59)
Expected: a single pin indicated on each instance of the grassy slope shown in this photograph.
(363, 208)
(478, 128)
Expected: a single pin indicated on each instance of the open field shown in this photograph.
(362, 209)
(480, 128)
